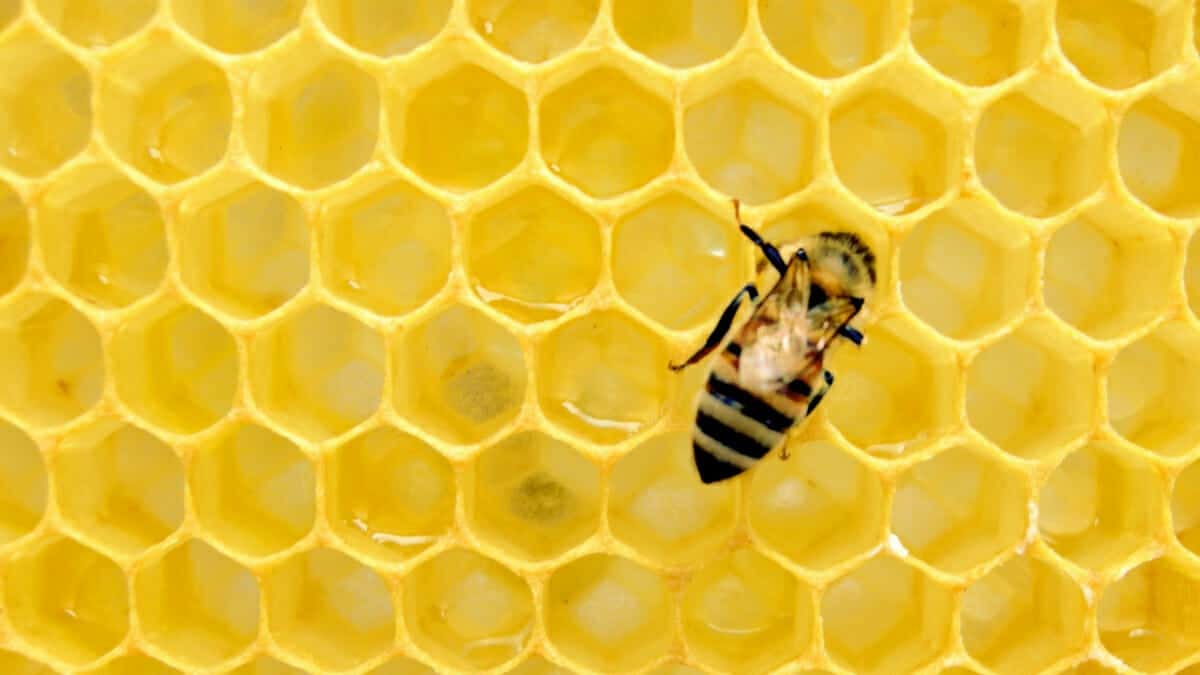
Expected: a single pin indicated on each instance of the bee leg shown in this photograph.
(784, 453)
(768, 250)
(721, 329)
(771, 253)
(820, 395)
(851, 335)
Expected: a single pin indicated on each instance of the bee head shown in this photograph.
(842, 264)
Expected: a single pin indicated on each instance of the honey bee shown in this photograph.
(771, 374)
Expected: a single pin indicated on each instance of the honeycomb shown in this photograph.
(335, 336)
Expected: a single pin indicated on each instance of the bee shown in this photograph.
(771, 374)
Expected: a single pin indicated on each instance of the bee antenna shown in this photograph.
(737, 210)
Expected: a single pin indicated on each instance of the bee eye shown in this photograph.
(816, 296)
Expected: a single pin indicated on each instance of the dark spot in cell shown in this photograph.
(480, 392)
(540, 497)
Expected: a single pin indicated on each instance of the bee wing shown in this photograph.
(788, 298)
(835, 314)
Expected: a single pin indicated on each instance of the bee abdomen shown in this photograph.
(734, 429)
(751, 406)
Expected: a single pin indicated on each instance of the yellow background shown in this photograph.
(334, 334)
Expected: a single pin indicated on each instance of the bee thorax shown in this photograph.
(771, 361)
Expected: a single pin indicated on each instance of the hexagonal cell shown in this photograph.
(965, 269)
(673, 242)
(606, 134)
(978, 42)
(235, 26)
(22, 482)
(910, 620)
(463, 130)
(197, 605)
(1124, 43)
(52, 360)
(266, 666)
(384, 245)
(134, 664)
(1185, 507)
(1023, 617)
(1031, 392)
(533, 30)
(960, 509)
(533, 496)
(66, 600)
(1158, 150)
(680, 34)
(243, 246)
(906, 380)
(463, 375)
(102, 236)
(468, 610)
(1101, 505)
(45, 105)
(742, 613)
(819, 508)
(312, 117)
(119, 486)
(1041, 149)
(14, 239)
(607, 613)
(319, 373)
(1095, 263)
(253, 490)
(874, 122)
(384, 28)
(726, 139)
(176, 367)
(602, 376)
(96, 23)
(1147, 618)
(329, 610)
(657, 507)
(167, 112)
(1152, 396)
(831, 38)
(507, 254)
(389, 494)
(14, 663)
(402, 665)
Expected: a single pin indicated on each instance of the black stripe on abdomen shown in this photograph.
(711, 468)
(730, 438)
(748, 404)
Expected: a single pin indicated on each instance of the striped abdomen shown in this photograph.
(736, 428)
